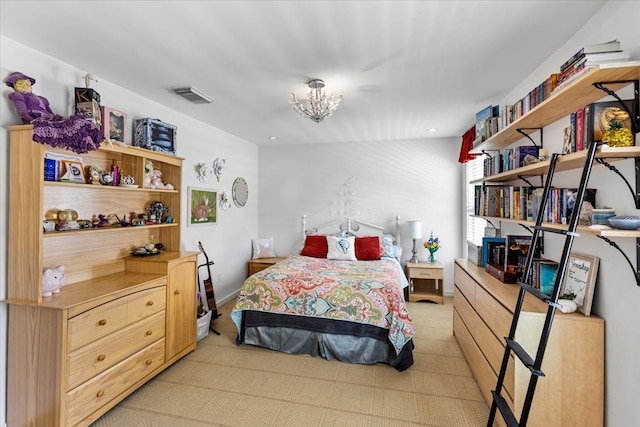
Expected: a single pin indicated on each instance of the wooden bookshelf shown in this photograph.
(563, 102)
(566, 162)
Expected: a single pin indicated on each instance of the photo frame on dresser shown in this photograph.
(580, 280)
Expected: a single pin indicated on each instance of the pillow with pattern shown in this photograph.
(341, 248)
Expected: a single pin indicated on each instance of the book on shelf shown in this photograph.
(599, 115)
(580, 130)
(493, 249)
(611, 46)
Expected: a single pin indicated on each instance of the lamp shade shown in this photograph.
(415, 229)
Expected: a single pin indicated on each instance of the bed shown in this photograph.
(328, 302)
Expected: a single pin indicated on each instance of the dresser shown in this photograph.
(572, 391)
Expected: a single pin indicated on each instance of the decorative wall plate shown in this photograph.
(240, 192)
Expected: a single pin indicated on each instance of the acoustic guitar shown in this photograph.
(208, 287)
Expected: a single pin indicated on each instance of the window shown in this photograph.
(475, 226)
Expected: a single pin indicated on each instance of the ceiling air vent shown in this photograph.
(192, 94)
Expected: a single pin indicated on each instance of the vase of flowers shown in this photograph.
(432, 245)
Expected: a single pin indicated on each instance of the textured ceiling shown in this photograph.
(403, 66)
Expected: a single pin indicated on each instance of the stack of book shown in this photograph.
(588, 57)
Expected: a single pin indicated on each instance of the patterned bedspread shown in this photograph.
(367, 292)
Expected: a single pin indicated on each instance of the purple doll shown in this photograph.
(74, 133)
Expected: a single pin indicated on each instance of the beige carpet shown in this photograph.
(221, 384)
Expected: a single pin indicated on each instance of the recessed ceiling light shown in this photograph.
(273, 138)
(432, 130)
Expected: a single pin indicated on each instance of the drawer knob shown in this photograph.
(102, 322)
(149, 333)
(101, 357)
(149, 303)
(176, 292)
(100, 393)
(149, 362)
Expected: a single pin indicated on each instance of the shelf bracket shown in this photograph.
(636, 272)
(527, 181)
(634, 194)
(491, 224)
(522, 132)
(635, 118)
(486, 152)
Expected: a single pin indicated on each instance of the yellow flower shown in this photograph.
(433, 244)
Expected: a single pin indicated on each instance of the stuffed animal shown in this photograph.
(153, 178)
(52, 280)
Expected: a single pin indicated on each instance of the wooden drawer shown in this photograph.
(465, 311)
(89, 397)
(96, 323)
(103, 320)
(494, 314)
(493, 350)
(466, 284)
(100, 355)
(480, 368)
(426, 273)
(146, 303)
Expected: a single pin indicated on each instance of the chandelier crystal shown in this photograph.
(317, 106)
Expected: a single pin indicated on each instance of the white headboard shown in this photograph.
(350, 225)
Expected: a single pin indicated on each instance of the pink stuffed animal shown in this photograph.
(52, 280)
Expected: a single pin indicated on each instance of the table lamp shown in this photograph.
(415, 232)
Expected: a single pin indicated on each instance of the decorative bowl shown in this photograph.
(625, 222)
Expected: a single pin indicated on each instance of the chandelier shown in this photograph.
(317, 106)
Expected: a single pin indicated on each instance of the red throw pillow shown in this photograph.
(315, 246)
(367, 248)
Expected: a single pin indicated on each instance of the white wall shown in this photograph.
(616, 295)
(417, 179)
(228, 243)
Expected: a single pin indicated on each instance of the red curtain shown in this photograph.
(467, 145)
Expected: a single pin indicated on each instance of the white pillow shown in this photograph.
(263, 248)
(341, 248)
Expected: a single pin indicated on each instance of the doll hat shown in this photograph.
(15, 76)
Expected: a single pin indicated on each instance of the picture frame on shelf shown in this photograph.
(599, 115)
(114, 124)
(203, 204)
(73, 172)
(580, 279)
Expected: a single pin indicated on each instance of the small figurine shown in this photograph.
(103, 221)
(52, 280)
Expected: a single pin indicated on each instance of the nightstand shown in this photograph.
(260, 264)
(426, 281)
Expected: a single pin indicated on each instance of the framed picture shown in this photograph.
(599, 115)
(580, 280)
(73, 172)
(114, 124)
(202, 206)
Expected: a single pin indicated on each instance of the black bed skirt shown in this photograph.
(255, 320)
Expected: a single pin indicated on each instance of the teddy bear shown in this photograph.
(153, 178)
(52, 280)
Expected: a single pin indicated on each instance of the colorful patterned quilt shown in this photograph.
(368, 292)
